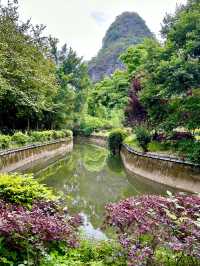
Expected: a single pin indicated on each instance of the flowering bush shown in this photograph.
(148, 226)
(31, 233)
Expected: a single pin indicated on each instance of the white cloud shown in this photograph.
(83, 23)
(99, 17)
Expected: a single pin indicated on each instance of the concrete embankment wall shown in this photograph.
(164, 170)
(26, 157)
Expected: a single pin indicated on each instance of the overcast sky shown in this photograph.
(83, 23)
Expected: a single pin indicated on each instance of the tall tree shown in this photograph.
(73, 80)
(27, 76)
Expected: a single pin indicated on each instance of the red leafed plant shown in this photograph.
(135, 111)
(147, 226)
(35, 230)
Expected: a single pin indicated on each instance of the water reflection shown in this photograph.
(90, 179)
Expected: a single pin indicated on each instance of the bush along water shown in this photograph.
(155, 230)
(33, 222)
(20, 139)
(91, 124)
(143, 137)
(37, 230)
(115, 140)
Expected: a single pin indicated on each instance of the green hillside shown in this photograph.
(128, 29)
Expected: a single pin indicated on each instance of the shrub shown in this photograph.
(91, 253)
(188, 149)
(38, 136)
(87, 131)
(155, 146)
(148, 226)
(143, 137)
(22, 189)
(67, 132)
(4, 141)
(47, 135)
(115, 140)
(32, 223)
(27, 234)
(182, 136)
(132, 142)
(95, 123)
(20, 138)
(59, 134)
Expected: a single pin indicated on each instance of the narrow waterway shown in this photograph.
(89, 179)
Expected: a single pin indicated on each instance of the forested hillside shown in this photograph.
(128, 29)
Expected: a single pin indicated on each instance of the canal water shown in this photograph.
(89, 179)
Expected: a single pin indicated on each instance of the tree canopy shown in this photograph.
(170, 73)
(40, 85)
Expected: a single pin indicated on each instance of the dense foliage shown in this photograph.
(32, 222)
(108, 96)
(115, 140)
(23, 190)
(143, 137)
(40, 86)
(164, 82)
(20, 139)
(73, 80)
(169, 74)
(160, 86)
(90, 124)
(155, 230)
(26, 234)
(91, 253)
(27, 78)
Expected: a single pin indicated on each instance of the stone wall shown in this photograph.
(23, 158)
(164, 170)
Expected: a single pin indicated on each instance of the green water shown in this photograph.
(89, 179)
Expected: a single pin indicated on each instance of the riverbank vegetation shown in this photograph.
(152, 105)
(159, 89)
(36, 229)
(43, 87)
(19, 139)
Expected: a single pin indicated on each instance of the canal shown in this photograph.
(89, 178)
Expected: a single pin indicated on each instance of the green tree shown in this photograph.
(73, 81)
(108, 95)
(27, 75)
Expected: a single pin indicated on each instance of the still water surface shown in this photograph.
(89, 179)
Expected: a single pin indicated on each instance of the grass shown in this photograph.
(153, 146)
(131, 141)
